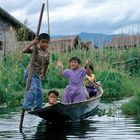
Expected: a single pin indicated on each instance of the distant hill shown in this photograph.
(99, 39)
(59, 36)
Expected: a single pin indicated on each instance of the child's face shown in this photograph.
(90, 72)
(44, 44)
(74, 64)
(52, 98)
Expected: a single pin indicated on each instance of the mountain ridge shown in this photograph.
(99, 39)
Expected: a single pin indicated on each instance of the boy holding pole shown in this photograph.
(34, 95)
(36, 70)
(34, 73)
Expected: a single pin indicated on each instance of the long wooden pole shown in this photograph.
(30, 68)
(48, 17)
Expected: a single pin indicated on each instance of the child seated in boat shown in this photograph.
(90, 81)
(75, 90)
(52, 98)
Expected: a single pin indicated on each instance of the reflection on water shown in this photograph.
(92, 128)
(62, 131)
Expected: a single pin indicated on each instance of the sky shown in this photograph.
(69, 17)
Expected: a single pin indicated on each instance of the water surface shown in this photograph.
(92, 128)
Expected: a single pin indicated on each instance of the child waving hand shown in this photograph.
(75, 90)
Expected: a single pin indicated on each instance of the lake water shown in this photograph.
(92, 128)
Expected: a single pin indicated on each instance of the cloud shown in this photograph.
(75, 16)
(11, 5)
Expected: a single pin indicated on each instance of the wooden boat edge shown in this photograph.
(62, 104)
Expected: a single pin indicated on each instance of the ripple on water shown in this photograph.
(92, 128)
(109, 128)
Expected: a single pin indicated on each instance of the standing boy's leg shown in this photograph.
(39, 96)
(31, 93)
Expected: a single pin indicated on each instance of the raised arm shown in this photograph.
(59, 65)
(87, 65)
(28, 46)
(88, 62)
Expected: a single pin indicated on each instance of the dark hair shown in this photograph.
(89, 66)
(44, 36)
(76, 59)
(53, 91)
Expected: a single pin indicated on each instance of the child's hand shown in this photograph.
(35, 41)
(42, 76)
(87, 61)
(59, 64)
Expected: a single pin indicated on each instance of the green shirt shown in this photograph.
(41, 59)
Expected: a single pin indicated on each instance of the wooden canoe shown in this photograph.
(60, 112)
